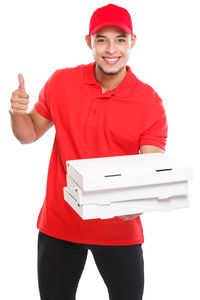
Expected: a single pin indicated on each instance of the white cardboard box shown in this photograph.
(128, 170)
(112, 186)
(161, 191)
(105, 211)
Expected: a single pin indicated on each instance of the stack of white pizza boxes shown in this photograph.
(106, 187)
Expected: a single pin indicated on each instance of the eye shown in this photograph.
(100, 40)
(121, 40)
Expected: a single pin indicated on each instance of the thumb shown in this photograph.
(21, 82)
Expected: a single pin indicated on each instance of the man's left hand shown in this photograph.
(129, 217)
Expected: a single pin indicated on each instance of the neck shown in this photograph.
(109, 82)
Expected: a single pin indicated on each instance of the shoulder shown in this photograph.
(69, 73)
(146, 97)
(146, 94)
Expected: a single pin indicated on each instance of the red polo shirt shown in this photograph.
(90, 124)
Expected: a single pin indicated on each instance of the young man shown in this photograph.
(100, 109)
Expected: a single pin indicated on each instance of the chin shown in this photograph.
(110, 72)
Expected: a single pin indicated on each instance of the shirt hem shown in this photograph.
(91, 242)
(41, 112)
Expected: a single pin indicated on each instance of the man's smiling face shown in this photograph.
(111, 47)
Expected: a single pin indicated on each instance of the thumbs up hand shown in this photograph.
(20, 99)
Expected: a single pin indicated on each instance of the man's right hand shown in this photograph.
(27, 127)
(20, 99)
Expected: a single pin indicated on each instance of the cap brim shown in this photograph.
(120, 25)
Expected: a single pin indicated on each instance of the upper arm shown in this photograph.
(150, 149)
(155, 128)
(41, 124)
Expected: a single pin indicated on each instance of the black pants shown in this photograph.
(61, 263)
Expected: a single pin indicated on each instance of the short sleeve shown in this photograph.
(43, 104)
(156, 127)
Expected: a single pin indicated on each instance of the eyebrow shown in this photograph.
(121, 35)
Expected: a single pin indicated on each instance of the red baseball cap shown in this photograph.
(110, 15)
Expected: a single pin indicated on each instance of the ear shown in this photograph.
(88, 41)
(133, 40)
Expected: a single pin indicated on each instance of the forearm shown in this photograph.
(23, 127)
(150, 149)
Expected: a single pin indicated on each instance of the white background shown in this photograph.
(40, 36)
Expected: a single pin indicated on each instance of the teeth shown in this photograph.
(111, 59)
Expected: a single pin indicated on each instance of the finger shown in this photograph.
(19, 111)
(123, 218)
(21, 82)
(19, 106)
(19, 100)
(129, 217)
(126, 219)
(20, 93)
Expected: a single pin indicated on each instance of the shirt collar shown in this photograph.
(123, 90)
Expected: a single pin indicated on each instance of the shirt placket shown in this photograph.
(98, 98)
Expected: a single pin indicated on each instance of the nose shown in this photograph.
(110, 48)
